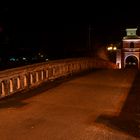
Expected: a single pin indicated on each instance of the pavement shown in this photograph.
(101, 105)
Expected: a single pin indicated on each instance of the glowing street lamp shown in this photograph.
(114, 48)
(110, 48)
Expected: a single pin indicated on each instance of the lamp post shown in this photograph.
(90, 39)
(112, 52)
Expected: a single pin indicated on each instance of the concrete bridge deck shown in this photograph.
(102, 105)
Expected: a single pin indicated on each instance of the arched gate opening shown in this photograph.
(131, 62)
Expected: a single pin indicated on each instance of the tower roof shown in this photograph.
(131, 31)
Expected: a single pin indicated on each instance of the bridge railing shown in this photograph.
(27, 77)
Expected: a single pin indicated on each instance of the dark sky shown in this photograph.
(63, 29)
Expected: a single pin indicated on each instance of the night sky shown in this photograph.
(63, 32)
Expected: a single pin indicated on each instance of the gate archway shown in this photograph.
(131, 62)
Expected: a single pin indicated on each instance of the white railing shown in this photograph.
(27, 77)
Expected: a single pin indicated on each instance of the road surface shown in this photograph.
(102, 105)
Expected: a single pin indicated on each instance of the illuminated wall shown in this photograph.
(131, 47)
(127, 43)
(118, 59)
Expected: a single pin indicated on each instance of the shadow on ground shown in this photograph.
(17, 100)
(128, 120)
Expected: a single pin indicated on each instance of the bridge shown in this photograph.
(73, 99)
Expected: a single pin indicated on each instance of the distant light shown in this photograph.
(46, 59)
(114, 48)
(109, 48)
(12, 59)
(134, 63)
(24, 58)
(41, 55)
